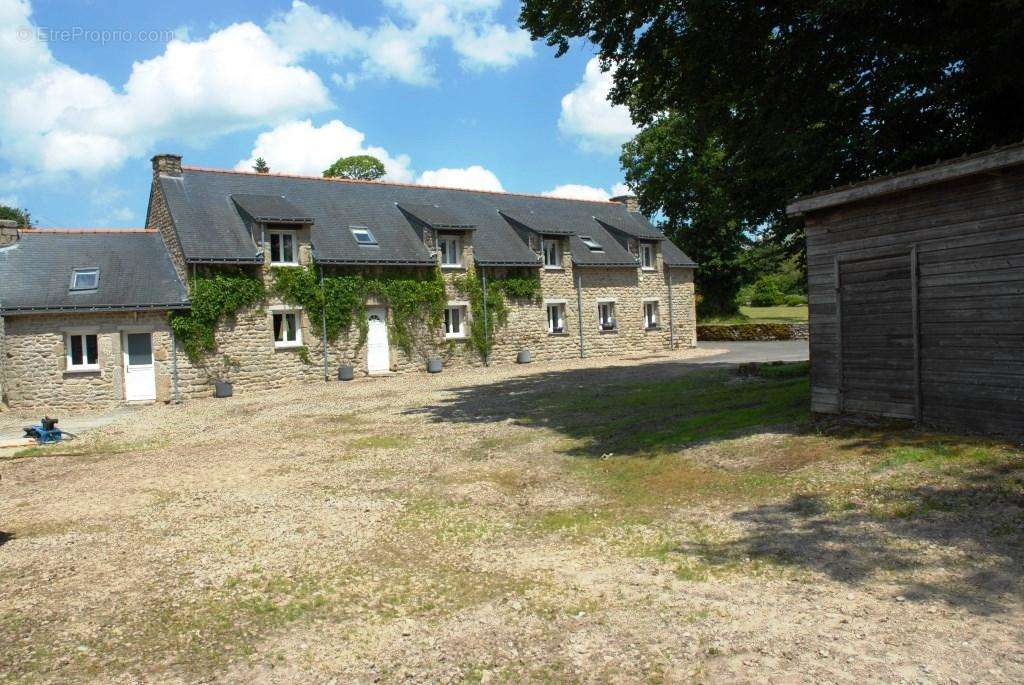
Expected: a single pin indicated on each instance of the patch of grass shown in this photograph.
(41, 529)
(780, 314)
(704, 553)
(87, 448)
(382, 442)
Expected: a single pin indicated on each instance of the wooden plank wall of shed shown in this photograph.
(970, 242)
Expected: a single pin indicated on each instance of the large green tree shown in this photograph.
(798, 95)
(357, 167)
(14, 214)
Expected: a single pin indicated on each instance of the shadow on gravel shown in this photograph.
(5, 537)
(967, 540)
(636, 410)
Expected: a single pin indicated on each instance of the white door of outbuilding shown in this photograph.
(378, 353)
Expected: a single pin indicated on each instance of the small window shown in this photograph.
(650, 314)
(85, 279)
(282, 247)
(363, 235)
(83, 352)
(287, 329)
(647, 256)
(455, 321)
(552, 249)
(606, 315)
(450, 247)
(556, 318)
(592, 244)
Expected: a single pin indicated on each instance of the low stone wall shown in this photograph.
(754, 332)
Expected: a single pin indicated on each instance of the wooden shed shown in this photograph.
(916, 288)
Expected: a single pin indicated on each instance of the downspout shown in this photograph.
(579, 309)
(671, 312)
(175, 390)
(323, 319)
(487, 338)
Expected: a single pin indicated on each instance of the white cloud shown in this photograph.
(9, 201)
(590, 118)
(54, 118)
(576, 191)
(398, 47)
(473, 177)
(299, 147)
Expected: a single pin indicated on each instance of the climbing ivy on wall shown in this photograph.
(213, 297)
(481, 328)
(340, 300)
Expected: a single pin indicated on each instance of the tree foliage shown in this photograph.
(796, 96)
(261, 166)
(14, 214)
(357, 167)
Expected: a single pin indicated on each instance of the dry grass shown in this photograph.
(645, 523)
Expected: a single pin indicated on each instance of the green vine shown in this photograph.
(213, 297)
(481, 328)
(340, 300)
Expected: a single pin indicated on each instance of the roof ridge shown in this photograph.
(85, 230)
(216, 170)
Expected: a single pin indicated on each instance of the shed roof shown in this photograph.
(135, 272)
(211, 229)
(946, 170)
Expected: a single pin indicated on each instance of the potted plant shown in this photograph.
(222, 385)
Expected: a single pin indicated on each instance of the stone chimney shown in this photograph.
(632, 204)
(167, 165)
(8, 232)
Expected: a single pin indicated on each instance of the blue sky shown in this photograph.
(445, 92)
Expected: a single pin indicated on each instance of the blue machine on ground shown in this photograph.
(45, 432)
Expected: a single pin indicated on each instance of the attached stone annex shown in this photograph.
(85, 314)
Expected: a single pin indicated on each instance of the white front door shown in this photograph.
(378, 355)
(139, 372)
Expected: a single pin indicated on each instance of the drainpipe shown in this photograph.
(487, 338)
(323, 318)
(176, 392)
(579, 309)
(671, 320)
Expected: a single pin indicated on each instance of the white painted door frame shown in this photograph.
(139, 377)
(378, 350)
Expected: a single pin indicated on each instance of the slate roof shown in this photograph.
(135, 272)
(211, 228)
(436, 217)
(536, 223)
(271, 209)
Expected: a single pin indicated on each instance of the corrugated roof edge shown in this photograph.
(940, 171)
(215, 170)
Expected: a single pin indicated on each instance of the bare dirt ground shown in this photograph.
(633, 521)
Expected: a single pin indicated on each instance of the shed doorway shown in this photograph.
(378, 352)
(877, 335)
(139, 370)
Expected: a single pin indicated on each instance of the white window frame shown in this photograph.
(601, 304)
(82, 272)
(556, 244)
(282, 234)
(449, 239)
(548, 305)
(647, 250)
(463, 309)
(369, 234)
(657, 314)
(284, 313)
(85, 366)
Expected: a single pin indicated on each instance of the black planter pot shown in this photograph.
(346, 373)
(223, 389)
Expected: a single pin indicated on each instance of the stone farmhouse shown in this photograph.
(86, 315)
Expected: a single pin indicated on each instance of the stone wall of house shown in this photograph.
(158, 216)
(35, 359)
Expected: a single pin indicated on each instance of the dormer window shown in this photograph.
(552, 249)
(647, 256)
(282, 248)
(363, 235)
(450, 247)
(85, 279)
(591, 244)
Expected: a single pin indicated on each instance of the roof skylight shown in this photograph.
(591, 243)
(85, 279)
(363, 235)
